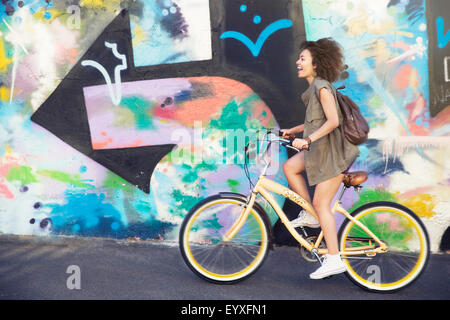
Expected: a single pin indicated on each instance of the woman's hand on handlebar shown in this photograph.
(287, 134)
(300, 144)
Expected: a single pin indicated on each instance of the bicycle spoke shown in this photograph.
(412, 255)
(240, 259)
(246, 250)
(208, 256)
(396, 263)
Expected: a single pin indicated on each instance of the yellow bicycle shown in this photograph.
(225, 238)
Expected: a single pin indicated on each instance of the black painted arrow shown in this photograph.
(64, 112)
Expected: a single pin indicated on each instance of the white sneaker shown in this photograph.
(304, 219)
(331, 265)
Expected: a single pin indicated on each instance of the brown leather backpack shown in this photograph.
(354, 127)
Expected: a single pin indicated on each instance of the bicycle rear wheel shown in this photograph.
(213, 259)
(405, 236)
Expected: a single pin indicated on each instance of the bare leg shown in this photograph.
(293, 168)
(323, 195)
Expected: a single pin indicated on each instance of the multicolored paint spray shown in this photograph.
(179, 70)
(385, 45)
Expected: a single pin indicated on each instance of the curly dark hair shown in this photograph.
(327, 57)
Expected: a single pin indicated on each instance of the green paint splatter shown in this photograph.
(142, 111)
(183, 203)
(190, 177)
(234, 115)
(21, 173)
(236, 119)
(254, 124)
(233, 184)
(371, 195)
(144, 207)
(375, 102)
(66, 178)
(194, 171)
(115, 182)
(206, 166)
(392, 229)
(230, 118)
(212, 223)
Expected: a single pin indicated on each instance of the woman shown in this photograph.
(320, 63)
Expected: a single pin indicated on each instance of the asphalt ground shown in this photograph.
(42, 268)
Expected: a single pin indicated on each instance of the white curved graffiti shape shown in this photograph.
(116, 95)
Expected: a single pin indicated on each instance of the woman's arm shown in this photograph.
(330, 109)
(290, 133)
(298, 128)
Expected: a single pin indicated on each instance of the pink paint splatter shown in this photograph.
(402, 78)
(417, 110)
(6, 163)
(394, 224)
(5, 192)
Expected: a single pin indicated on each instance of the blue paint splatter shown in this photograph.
(257, 20)
(255, 48)
(442, 40)
(363, 153)
(47, 15)
(115, 226)
(243, 8)
(84, 210)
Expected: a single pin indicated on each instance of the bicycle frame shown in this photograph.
(264, 185)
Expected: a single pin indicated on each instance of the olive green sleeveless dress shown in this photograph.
(330, 155)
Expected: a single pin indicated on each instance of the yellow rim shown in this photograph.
(419, 263)
(256, 260)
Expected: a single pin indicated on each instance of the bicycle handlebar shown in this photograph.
(286, 142)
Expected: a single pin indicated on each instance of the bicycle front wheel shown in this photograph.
(213, 259)
(407, 247)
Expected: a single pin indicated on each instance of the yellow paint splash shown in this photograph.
(39, 15)
(403, 33)
(123, 117)
(363, 22)
(92, 3)
(4, 61)
(139, 34)
(421, 204)
(4, 93)
(379, 50)
(100, 4)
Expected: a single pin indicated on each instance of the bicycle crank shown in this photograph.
(311, 256)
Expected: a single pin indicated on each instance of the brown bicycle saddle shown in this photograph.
(355, 178)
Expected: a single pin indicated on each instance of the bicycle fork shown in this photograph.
(237, 225)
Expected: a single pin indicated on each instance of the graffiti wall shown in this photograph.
(116, 116)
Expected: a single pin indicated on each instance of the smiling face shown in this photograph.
(305, 65)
